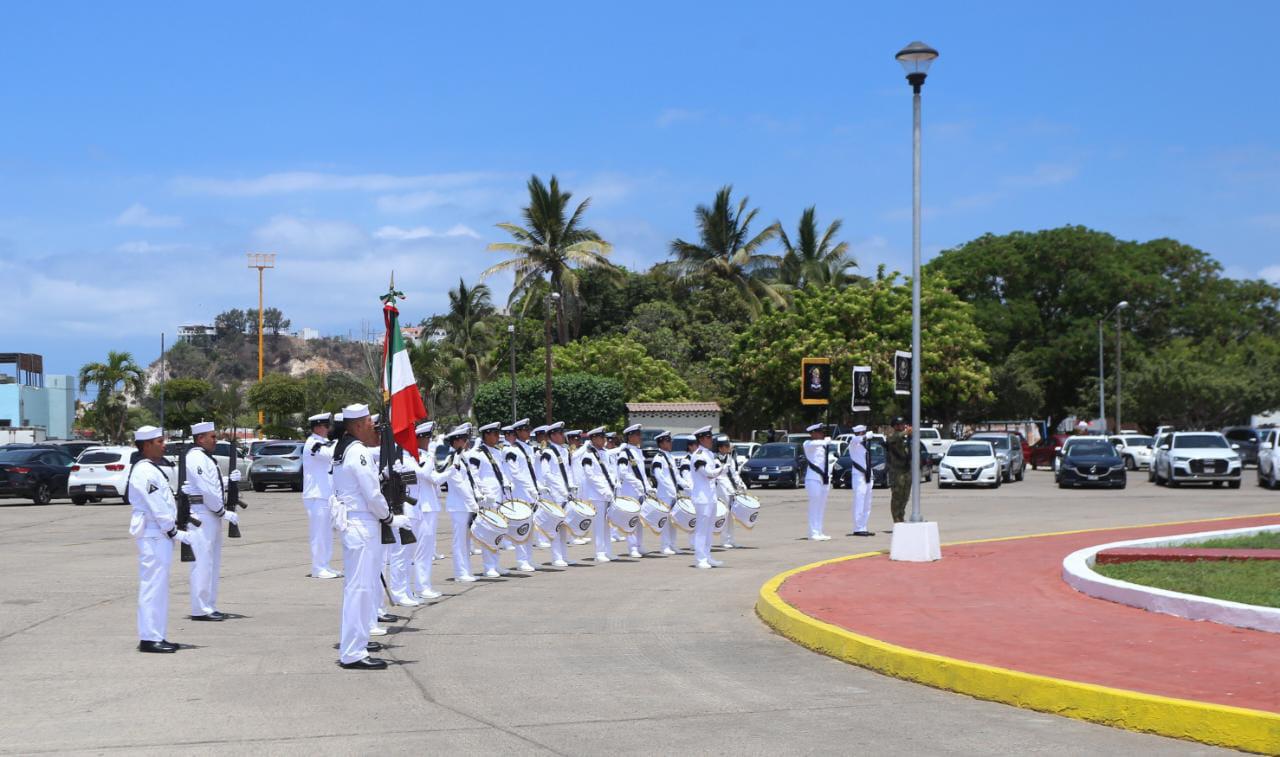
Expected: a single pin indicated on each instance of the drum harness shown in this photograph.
(635, 470)
(675, 478)
(595, 452)
(528, 461)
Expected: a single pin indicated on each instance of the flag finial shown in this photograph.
(392, 294)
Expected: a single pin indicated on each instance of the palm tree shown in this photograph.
(114, 379)
(550, 245)
(728, 251)
(469, 333)
(813, 259)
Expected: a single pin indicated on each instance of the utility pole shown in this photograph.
(553, 302)
(261, 261)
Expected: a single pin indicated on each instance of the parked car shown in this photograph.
(775, 464)
(1091, 461)
(1045, 452)
(680, 446)
(76, 446)
(1195, 456)
(842, 473)
(973, 462)
(744, 451)
(1137, 450)
(1269, 459)
(1248, 439)
(1008, 447)
(278, 464)
(221, 453)
(256, 445)
(35, 473)
(932, 439)
(102, 472)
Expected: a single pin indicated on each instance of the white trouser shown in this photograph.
(600, 528)
(558, 551)
(726, 537)
(703, 528)
(362, 561)
(206, 543)
(817, 492)
(524, 552)
(397, 562)
(635, 539)
(424, 552)
(321, 534)
(155, 556)
(460, 521)
(861, 500)
(669, 534)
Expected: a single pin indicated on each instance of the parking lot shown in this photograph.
(629, 657)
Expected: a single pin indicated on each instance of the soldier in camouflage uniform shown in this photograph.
(898, 451)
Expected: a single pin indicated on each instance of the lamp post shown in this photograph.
(915, 59)
(553, 299)
(511, 330)
(1102, 386)
(261, 261)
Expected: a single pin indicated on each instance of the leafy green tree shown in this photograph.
(727, 250)
(814, 259)
(280, 397)
(551, 244)
(578, 399)
(470, 334)
(234, 322)
(643, 378)
(657, 327)
(273, 321)
(332, 391)
(186, 360)
(113, 380)
(226, 403)
(186, 401)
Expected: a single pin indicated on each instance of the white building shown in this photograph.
(195, 332)
(676, 417)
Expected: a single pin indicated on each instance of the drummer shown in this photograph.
(593, 470)
(557, 476)
(493, 483)
(461, 501)
(728, 486)
(671, 483)
(632, 482)
(518, 460)
(533, 443)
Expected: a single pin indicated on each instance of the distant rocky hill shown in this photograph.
(234, 358)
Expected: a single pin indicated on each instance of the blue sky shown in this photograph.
(145, 148)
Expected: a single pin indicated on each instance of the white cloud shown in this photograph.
(141, 247)
(308, 236)
(397, 234)
(1045, 175)
(138, 215)
(289, 182)
(672, 116)
(1270, 273)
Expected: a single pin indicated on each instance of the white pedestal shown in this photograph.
(915, 542)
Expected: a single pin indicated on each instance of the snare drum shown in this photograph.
(519, 515)
(746, 509)
(489, 529)
(578, 516)
(683, 514)
(548, 518)
(624, 514)
(722, 517)
(654, 514)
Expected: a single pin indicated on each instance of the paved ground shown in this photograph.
(631, 657)
(1004, 603)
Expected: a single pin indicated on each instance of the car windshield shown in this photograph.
(1092, 447)
(741, 450)
(929, 433)
(442, 451)
(19, 455)
(99, 458)
(278, 450)
(775, 449)
(1199, 441)
(1138, 441)
(1000, 442)
(969, 449)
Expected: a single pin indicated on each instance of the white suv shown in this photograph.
(932, 440)
(1136, 450)
(1269, 458)
(1193, 456)
(102, 472)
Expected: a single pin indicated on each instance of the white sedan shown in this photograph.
(1136, 450)
(1269, 459)
(969, 463)
(103, 473)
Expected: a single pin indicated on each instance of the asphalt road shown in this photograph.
(646, 656)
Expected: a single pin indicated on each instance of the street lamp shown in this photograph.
(915, 59)
(1102, 388)
(511, 330)
(553, 300)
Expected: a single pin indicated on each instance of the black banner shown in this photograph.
(901, 372)
(861, 388)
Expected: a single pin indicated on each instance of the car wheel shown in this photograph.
(1129, 464)
(296, 486)
(1217, 484)
(1122, 485)
(259, 487)
(79, 499)
(996, 485)
(1233, 484)
(1062, 485)
(42, 494)
(1022, 472)
(1173, 482)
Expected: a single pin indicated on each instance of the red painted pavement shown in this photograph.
(1182, 554)
(1004, 603)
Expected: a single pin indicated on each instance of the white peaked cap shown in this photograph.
(425, 428)
(704, 431)
(815, 427)
(557, 426)
(634, 427)
(486, 428)
(520, 423)
(147, 433)
(598, 430)
(319, 418)
(859, 429)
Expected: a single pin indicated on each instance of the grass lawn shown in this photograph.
(1264, 540)
(1253, 582)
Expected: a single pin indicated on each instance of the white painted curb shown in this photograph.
(1077, 571)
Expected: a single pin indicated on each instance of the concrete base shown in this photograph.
(915, 542)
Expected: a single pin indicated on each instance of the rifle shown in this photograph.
(184, 506)
(233, 494)
(393, 487)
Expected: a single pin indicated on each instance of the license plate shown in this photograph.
(1092, 477)
(966, 477)
(273, 467)
(101, 488)
(763, 478)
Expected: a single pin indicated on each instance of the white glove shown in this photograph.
(231, 517)
(399, 521)
(399, 467)
(234, 477)
(189, 489)
(182, 536)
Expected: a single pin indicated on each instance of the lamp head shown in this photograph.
(1122, 305)
(916, 59)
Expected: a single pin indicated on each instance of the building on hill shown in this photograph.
(30, 399)
(197, 332)
(307, 334)
(676, 417)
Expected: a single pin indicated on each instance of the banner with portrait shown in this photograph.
(861, 388)
(902, 372)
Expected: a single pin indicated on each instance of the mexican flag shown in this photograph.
(399, 389)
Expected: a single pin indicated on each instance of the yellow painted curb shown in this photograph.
(1220, 725)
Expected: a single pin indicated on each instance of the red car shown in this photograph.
(1044, 452)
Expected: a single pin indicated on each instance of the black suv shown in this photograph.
(1249, 439)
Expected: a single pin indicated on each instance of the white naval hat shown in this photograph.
(520, 423)
(554, 427)
(509, 429)
(458, 431)
(337, 417)
(203, 427)
(662, 435)
(611, 435)
(319, 418)
(486, 428)
(859, 429)
(425, 428)
(352, 412)
(539, 430)
(633, 428)
(704, 431)
(816, 427)
(597, 431)
(147, 433)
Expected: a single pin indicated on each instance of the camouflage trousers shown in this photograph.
(900, 483)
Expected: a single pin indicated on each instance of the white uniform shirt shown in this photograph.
(355, 482)
(705, 470)
(631, 480)
(592, 468)
(860, 457)
(155, 511)
(464, 491)
(427, 488)
(556, 472)
(518, 465)
(671, 483)
(729, 484)
(490, 475)
(204, 476)
(317, 460)
(815, 451)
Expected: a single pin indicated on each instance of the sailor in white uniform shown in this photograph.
(461, 502)
(207, 490)
(705, 470)
(632, 481)
(671, 483)
(728, 486)
(595, 476)
(861, 480)
(424, 481)
(317, 487)
(557, 476)
(493, 482)
(538, 443)
(817, 478)
(152, 524)
(518, 458)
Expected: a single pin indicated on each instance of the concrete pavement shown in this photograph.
(629, 657)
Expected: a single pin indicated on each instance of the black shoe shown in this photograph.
(157, 647)
(373, 646)
(386, 617)
(215, 616)
(864, 533)
(368, 663)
